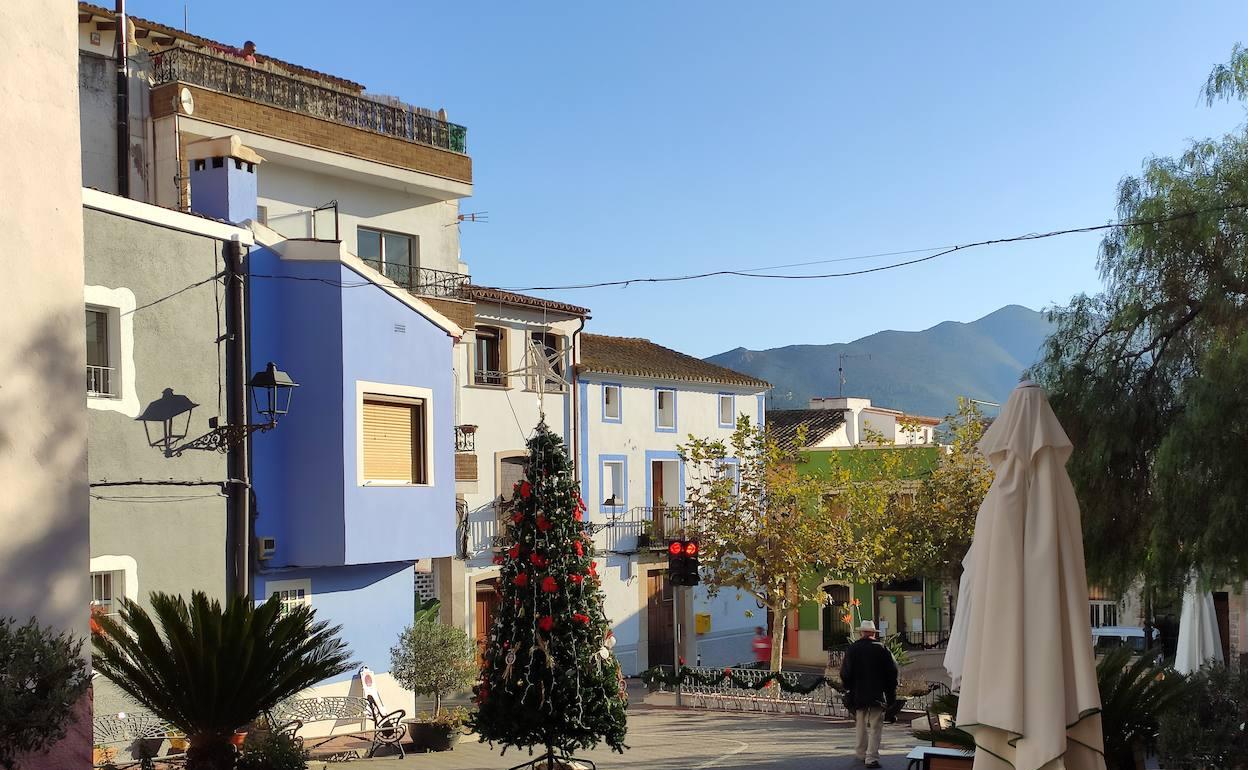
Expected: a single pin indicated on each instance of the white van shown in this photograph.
(1107, 638)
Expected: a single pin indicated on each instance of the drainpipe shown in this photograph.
(239, 504)
(123, 101)
(577, 470)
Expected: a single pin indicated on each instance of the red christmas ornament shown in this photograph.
(593, 568)
(517, 517)
(580, 503)
(727, 673)
(578, 579)
(526, 489)
(580, 549)
(514, 551)
(577, 514)
(545, 622)
(581, 618)
(543, 523)
(521, 580)
(498, 559)
(549, 584)
(538, 560)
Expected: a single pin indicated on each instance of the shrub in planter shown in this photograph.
(272, 751)
(42, 676)
(438, 733)
(434, 659)
(1209, 728)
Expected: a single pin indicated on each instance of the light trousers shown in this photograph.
(869, 723)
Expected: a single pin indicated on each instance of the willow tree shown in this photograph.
(1147, 375)
(759, 523)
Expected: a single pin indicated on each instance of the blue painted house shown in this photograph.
(357, 482)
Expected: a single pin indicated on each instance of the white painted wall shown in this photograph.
(291, 193)
(733, 616)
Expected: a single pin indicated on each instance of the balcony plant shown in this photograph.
(432, 658)
(209, 669)
(42, 677)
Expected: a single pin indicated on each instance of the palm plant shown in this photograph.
(209, 670)
(1134, 696)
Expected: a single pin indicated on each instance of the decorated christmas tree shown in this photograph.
(550, 679)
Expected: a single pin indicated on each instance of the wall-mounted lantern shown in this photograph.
(271, 391)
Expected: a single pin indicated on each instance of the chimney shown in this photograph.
(223, 178)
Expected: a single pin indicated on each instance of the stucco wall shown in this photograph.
(329, 339)
(43, 511)
(175, 534)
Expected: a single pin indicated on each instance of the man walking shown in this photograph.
(869, 675)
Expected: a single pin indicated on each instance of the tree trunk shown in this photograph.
(210, 752)
(779, 618)
(437, 704)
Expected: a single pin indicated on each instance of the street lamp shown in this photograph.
(271, 391)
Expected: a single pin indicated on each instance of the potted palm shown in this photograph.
(209, 670)
(434, 659)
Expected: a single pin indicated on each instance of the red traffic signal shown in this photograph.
(676, 548)
(682, 562)
(691, 548)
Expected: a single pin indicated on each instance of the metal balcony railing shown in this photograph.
(465, 438)
(485, 377)
(100, 380)
(638, 529)
(423, 281)
(237, 78)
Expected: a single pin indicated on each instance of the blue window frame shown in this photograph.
(612, 483)
(731, 467)
(612, 402)
(726, 410)
(664, 410)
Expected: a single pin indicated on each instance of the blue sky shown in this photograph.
(636, 139)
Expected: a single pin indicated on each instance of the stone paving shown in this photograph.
(684, 739)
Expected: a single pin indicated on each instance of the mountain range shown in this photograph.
(920, 372)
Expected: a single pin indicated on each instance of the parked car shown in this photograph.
(1107, 638)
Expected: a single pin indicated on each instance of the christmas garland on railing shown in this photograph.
(659, 675)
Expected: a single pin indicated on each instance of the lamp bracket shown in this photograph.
(224, 437)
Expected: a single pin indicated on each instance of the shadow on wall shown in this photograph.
(44, 554)
(167, 420)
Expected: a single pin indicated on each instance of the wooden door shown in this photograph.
(1222, 609)
(656, 499)
(660, 619)
(486, 604)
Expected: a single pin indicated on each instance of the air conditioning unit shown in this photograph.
(266, 547)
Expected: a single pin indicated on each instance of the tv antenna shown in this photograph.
(472, 216)
(841, 358)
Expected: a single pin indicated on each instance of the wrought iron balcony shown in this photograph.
(237, 78)
(424, 281)
(639, 528)
(465, 438)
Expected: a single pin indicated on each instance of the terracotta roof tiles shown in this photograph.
(636, 357)
(784, 424)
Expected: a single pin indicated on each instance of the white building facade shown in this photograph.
(638, 402)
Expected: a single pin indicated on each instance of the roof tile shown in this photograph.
(636, 357)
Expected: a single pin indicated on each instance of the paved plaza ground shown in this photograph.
(688, 739)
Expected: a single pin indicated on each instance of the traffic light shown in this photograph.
(682, 562)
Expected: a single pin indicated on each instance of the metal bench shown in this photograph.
(136, 734)
(296, 717)
(724, 695)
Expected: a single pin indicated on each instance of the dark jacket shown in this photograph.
(869, 675)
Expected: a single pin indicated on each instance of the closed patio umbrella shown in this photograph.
(1021, 649)
(1199, 639)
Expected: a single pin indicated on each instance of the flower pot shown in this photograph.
(103, 754)
(179, 743)
(431, 736)
(238, 738)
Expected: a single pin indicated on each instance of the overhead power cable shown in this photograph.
(755, 272)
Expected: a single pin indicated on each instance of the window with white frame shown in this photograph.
(1104, 613)
(611, 403)
(665, 409)
(489, 358)
(106, 589)
(613, 483)
(727, 410)
(102, 380)
(291, 593)
(394, 444)
(731, 469)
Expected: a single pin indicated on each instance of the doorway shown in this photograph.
(1222, 610)
(486, 605)
(664, 499)
(660, 619)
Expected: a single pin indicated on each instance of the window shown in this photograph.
(394, 255)
(546, 362)
(488, 361)
(293, 593)
(613, 483)
(1104, 613)
(727, 410)
(510, 473)
(611, 411)
(731, 469)
(394, 439)
(106, 589)
(101, 374)
(665, 410)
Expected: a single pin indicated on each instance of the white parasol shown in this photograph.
(1021, 648)
(1199, 639)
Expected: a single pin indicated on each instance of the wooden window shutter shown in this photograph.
(390, 453)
